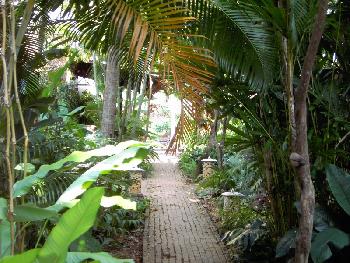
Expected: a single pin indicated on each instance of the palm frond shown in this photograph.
(242, 39)
(51, 188)
(152, 31)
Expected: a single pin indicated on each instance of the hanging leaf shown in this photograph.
(339, 182)
(26, 257)
(29, 212)
(75, 222)
(30, 168)
(23, 186)
(123, 161)
(320, 251)
(286, 243)
(5, 241)
(118, 200)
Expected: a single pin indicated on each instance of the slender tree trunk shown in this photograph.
(119, 107)
(109, 96)
(300, 158)
(221, 145)
(289, 72)
(288, 68)
(139, 103)
(213, 133)
(133, 103)
(95, 74)
(124, 114)
(270, 184)
(149, 106)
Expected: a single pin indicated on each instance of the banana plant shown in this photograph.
(72, 224)
(123, 156)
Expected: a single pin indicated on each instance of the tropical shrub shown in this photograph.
(122, 157)
(328, 239)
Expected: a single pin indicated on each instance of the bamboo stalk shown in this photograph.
(18, 102)
(8, 130)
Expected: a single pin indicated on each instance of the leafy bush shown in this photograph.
(190, 158)
(238, 215)
(81, 217)
(238, 172)
(187, 164)
(327, 240)
(253, 242)
(220, 180)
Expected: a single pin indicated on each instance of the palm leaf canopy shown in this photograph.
(148, 33)
(245, 36)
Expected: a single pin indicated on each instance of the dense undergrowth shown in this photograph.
(70, 159)
(245, 221)
(254, 92)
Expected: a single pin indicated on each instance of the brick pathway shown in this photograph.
(178, 229)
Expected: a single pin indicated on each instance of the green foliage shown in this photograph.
(23, 186)
(187, 164)
(77, 257)
(163, 128)
(324, 232)
(4, 229)
(26, 257)
(82, 214)
(220, 180)
(238, 215)
(116, 221)
(286, 243)
(190, 158)
(252, 241)
(339, 183)
(29, 213)
(72, 224)
(239, 172)
(320, 250)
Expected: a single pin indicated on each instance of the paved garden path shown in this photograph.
(177, 229)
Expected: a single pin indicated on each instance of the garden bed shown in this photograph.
(128, 246)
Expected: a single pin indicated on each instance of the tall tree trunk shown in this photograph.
(300, 158)
(139, 103)
(94, 57)
(109, 96)
(221, 145)
(124, 113)
(149, 106)
(213, 133)
(132, 104)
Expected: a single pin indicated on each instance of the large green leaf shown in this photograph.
(5, 241)
(75, 222)
(26, 257)
(119, 201)
(23, 186)
(125, 160)
(320, 250)
(28, 212)
(105, 202)
(339, 182)
(77, 257)
(255, 35)
(286, 243)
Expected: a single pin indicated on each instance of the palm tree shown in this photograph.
(149, 33)
(249, 38)
(109, 95)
